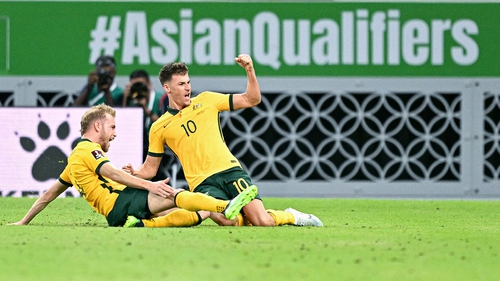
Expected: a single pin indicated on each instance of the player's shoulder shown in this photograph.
(209, 97)
(85, 148)
(161, 121)
(207, 94)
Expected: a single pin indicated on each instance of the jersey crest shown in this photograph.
(97, 154)
(196, 106)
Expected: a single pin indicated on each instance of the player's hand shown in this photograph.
(128, 169)
(162, 189)
(244, 61)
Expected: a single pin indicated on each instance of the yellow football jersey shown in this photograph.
(194, 135)
(82, 172)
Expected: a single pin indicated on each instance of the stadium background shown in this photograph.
(360, 99)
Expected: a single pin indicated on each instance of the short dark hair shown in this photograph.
(139, 73)
(105, 61)
(170, 69)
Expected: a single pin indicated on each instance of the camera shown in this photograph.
(104, 77)
(139, 90)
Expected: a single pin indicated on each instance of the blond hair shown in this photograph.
(97, 112)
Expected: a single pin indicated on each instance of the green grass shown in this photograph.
(362, 240)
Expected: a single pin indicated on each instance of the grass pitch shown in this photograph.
(363, 239)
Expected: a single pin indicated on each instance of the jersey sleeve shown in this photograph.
(64, 177)
(156, 145)
(223, 102)
(95, 159)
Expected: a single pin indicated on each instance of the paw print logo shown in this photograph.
(52, 160)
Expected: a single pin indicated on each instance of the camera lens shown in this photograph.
(104, 77)
(139, 90)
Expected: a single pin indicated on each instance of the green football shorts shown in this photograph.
(130, 202)
(226, 185)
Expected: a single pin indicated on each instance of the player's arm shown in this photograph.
(160, 188)
(147, 170)
(251, 97)
(48, 196)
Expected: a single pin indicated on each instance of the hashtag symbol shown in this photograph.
(104, 38)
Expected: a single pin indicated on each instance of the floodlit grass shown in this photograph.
(362, 240)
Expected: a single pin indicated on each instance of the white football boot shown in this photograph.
(302, 219)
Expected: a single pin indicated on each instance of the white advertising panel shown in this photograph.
(35, 141)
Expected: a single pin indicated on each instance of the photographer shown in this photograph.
(101, 87)
(139, 92)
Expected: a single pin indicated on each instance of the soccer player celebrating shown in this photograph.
(191, 129)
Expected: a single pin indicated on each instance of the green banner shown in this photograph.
(284, 39)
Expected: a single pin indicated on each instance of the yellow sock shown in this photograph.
(176, 218)
(194, 201)
(281, 217)
(242, 221)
